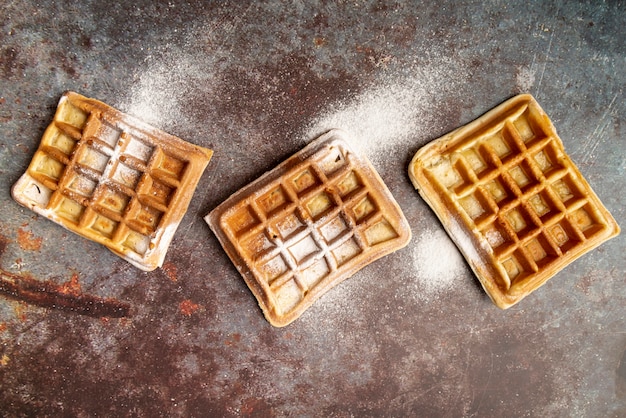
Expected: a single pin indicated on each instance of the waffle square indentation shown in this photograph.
(256, 244)
(304, 181)
(80, 184)
(303, 248)
(349, 184)
(273, 268)
(333, 229)
(319, 205)
(126, 175)
(108, 134)
(138, 150)
(274, 200)
(63, 142)
(169, 166)
(48, 166)
(288, 225)
(70, 210)
(114, 201)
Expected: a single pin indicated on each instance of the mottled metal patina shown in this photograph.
(85, 333)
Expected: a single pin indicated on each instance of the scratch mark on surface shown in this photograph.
(560, 317)
(482, 393)
(598, 133)
(188, 228)
(545, 63)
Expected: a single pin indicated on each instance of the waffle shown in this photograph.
(307, 225)
(112, 179)
(511, 199)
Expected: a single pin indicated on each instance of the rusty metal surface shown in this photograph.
(84, 333)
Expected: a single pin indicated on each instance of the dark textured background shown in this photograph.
(255, 82)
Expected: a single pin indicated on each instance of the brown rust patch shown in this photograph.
(187, 307)
(71, 287)
(65, 297)
(18, 309)
(171, 271)
(256, 407)
(319, 41)
(234, 339)
(3, 243)
(28, 241)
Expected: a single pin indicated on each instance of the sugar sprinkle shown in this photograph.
(437, 263)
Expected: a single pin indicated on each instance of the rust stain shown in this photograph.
(4, 241)
(255, 407)
(65, 297)
(171, 271)
(19, 312)
(3, 326)
(4, 360)
(27, 241)
(233, 340)
(319, 41)
(365, 50)
(187, 307)
(71, 287)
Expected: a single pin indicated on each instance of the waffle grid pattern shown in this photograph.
(306, 228)
(515, 186)
(107, 180)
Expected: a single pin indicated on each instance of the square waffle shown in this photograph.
(310, 223)
(112, 179)
(511, 199)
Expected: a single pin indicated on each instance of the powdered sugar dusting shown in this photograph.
(160, 92)
(525, 78)
(152, 98)
(437, 263)
(394, 112)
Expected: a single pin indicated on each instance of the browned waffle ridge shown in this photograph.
(307, 225)
(511, 199)
(112, 178)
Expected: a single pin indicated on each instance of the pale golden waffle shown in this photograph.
(307, 225)
(112, 178)
(511, 199)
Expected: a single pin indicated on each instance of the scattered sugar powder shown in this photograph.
(437, 264)
(151, 98)
(159, 93)
(395, 113)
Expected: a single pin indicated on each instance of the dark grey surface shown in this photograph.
(255, 82)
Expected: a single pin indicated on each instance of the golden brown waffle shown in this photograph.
(112, 178)
(307, 225)
(511, 199)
